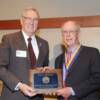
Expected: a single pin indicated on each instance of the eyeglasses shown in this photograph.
(70, 31)
(30, 19)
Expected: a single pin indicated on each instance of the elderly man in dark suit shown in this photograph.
(81, 74)
(15, 60)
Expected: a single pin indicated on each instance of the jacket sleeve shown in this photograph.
(46, 60)
(6, 75)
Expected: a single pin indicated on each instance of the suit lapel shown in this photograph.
(20, 43)
(41, 53)
(74, 64)
(22, 46)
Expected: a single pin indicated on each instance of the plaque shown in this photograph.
(45, 82)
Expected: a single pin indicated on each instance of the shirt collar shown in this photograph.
(26, 36)
(73, 48)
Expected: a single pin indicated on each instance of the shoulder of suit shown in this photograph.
(12, 34)
(60, 56)
(89, 49)
(41, 39)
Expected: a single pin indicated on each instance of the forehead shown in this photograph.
(69, 26)
(30, 13)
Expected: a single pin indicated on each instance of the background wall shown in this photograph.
(11, 9)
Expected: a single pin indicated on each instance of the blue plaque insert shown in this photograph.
(45, 80)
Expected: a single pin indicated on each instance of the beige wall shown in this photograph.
(11, 9)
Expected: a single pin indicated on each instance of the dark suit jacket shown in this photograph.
(16, 69)
(84, 77)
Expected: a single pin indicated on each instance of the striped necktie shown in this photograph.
(69, 56)
(68, 59)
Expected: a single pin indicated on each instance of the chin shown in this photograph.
(69, 45)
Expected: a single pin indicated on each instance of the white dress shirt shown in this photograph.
(33, 42)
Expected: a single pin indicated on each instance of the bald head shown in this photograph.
(70, 33)
(71, 25)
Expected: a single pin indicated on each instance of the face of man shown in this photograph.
(70, 33)
(29, 22)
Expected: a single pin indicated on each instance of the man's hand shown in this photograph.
(27, 90)
(48, 68)
(65, 92)
(45, 69)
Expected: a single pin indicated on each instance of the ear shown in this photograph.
(21, 21)
(78, 36)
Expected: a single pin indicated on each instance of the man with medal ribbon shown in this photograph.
(80, 66)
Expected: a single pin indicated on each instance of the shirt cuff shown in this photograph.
(73, 92)
(17, 87)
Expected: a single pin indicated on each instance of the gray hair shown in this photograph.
(30, 8)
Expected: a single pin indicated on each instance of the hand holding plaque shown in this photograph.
(45, 82)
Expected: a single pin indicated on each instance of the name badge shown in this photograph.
(21, 53)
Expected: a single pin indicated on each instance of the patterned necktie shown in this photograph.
(68, 59)
(68, 56)
(31, 53)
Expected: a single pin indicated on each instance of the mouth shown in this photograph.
(69, 39)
